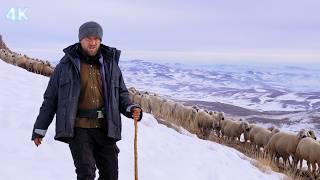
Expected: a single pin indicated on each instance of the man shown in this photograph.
(87, 93)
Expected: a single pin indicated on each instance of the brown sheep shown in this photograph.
(131, 91)
(37, 67)
(308, 149)
(145, 103)
(178, 114)
(185, 116)
(234, 129)
(29, 65)
(223, 124)
(137, 97)
(21, 61)
(203, 124)
(262, 137)
(284, 145)
(156, 103)
(47, 70)
(218, 118)
(167, 109)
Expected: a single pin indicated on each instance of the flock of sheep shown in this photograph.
(30, 64)
(267, 142)
(25, 62)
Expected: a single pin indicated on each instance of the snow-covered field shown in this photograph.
(263, 88)
(163, 153)
(284, 95)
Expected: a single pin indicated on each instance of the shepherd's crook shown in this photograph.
(135, 149)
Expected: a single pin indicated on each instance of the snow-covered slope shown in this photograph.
(163, 153)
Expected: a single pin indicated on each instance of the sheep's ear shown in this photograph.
(309, 133)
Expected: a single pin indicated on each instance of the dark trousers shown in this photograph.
(90, 148)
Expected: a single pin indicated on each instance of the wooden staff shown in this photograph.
(135, 149)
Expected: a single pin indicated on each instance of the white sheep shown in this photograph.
(308, 149)
(284, 145)
(218, 118)
(203, 124)
(145, 103)
(234, 129)
(156, 103)
(167, 109)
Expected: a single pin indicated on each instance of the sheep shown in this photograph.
(178, 114)
(37, 66)
(284, 145)
(137, 98)
(145, 103)
(156, 103)
(234, 129)
(167, 109)
(2, 54)
(21, 61)
(47, 70)
(196, 107)
(308, 149)
(131, 91)
(203, 124)
(262, 137)
(185, 116)
(12, 59)
(29, 65)
(253, 130)
(218, 118)
(223, 124)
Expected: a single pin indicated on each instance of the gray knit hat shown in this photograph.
(90, 28)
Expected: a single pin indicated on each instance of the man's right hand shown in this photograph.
(37, 141)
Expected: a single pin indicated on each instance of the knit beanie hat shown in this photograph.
(90, 28)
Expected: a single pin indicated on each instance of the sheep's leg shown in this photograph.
(309, 166)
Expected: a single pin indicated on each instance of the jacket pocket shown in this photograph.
(61, 119)
(116, 89)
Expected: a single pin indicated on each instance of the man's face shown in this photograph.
(90, 45)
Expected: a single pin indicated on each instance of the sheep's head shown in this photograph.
(275, 130)
(221, 116)
(211, 112)
(311, 134)
(271, 128)
(245, 126)
(303, 133)
(195, 107)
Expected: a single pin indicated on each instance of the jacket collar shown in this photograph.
(71, 52)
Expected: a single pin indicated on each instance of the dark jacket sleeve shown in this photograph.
(125, 104)
(48, 108)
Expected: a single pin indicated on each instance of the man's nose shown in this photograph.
(92, 42)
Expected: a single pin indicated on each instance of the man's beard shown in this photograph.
(90, 52)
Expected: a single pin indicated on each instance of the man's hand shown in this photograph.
(136, 113)
(37, 141)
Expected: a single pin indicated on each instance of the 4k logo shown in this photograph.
(17, 14)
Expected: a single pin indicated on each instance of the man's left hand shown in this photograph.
(136, 113)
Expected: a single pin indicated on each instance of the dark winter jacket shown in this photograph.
(63, 91)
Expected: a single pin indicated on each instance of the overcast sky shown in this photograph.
(228, 31)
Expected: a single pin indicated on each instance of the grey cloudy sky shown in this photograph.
(285, 31)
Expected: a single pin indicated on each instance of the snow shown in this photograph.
(163, 153)
(262, 88)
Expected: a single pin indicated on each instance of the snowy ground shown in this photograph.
(163, 153)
